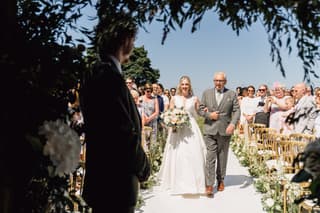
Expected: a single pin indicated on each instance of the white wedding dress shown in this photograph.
(183, 162)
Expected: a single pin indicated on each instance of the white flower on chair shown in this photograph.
(62, 146)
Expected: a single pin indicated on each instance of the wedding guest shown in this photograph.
(317, 99)
(276, 106)
(141, 90)
(115, 160)
(173, 91)
(262, 117)
(183, 164)
(219, 106)
(309, 91)
(243, 93)
(136, 98)
(130, 83)
(164, 97)
(286, 128)
(305, 110)
(167, 93)
(248, 107)
(155, 93)
(317, 120)
(151, 110)
(238, 91)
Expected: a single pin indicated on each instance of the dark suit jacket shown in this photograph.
(229, 111)
(115, 160)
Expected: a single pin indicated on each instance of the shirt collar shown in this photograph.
(116, 62)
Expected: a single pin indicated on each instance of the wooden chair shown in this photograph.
(265, 144)
(289, 150)
(309, 206)
(302, 137)
(252, 134)
(253, 130)
(146, 133)
(77, 178)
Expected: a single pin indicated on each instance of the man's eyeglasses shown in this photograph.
(262, 90)
(128, 82)
(218, 80)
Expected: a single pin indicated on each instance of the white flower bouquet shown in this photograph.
(175, 118)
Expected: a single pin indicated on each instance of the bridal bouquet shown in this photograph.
(175, 118)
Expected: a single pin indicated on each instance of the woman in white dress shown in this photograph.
(183, 163)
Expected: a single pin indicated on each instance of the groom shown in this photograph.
(219, 106)
(115, 161)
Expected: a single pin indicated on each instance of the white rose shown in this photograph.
(63, 146)
(269, 202)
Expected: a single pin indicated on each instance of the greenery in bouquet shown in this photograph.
(175, 118)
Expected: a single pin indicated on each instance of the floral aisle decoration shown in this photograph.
(155, 154)
(272, 188)
(269, 185)
(175, 118)
(58, 148)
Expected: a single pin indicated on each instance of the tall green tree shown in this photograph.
(139, 67)
(288, 23)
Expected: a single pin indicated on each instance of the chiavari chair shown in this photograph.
(302, 137)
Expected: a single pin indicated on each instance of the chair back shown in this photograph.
(302, 137)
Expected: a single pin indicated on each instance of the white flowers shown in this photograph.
(176, 117)
(269, 202)
(63, 146)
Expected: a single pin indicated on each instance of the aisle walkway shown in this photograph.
(239, 196)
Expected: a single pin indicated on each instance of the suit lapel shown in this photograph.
(132, 107)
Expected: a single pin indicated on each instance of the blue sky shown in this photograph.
(215, 47)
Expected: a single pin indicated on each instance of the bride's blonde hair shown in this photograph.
(179, 90)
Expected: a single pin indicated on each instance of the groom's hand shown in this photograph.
(214, 115)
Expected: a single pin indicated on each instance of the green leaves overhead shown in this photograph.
(290, 22)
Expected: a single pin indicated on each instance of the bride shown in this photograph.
(183, 163)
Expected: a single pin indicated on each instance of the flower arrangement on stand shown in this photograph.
(175, 118)
(58, 148)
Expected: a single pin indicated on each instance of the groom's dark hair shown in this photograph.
(113, 31)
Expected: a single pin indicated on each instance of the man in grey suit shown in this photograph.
(305, 110)
(219, 106)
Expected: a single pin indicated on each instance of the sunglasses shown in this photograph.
(148, 91)
(262, 90)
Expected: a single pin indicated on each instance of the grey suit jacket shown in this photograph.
(304, 115)
(229, 111)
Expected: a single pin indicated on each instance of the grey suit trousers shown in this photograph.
(217, 157)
